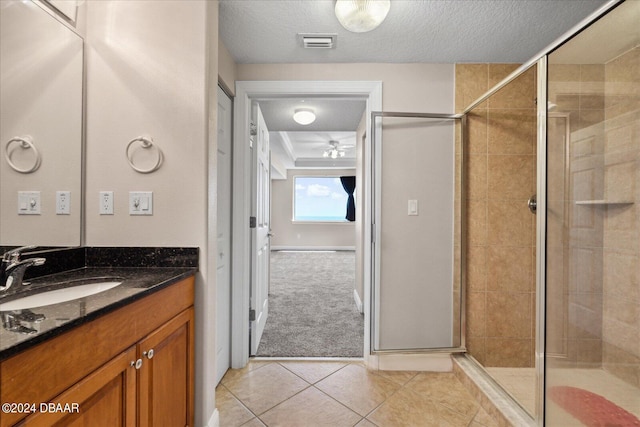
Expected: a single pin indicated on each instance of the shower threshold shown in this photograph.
(493, 398)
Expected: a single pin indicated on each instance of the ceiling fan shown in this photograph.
(335, 150)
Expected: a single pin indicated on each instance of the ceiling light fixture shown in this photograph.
(304, 116)
(360, 16)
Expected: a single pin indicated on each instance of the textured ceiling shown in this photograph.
(432, 31)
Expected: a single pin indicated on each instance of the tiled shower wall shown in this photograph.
(621, 314)
(500, 175)
(593, 269)
(574, 230)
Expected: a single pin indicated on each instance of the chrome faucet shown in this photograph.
(12, 268)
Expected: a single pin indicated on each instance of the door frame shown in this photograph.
(246, 91)
(222, 368)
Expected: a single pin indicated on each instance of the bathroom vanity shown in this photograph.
(124, 356)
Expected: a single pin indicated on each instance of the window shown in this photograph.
(319, 199)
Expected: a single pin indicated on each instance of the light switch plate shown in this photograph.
(413, 208)
(28, 203)
(140, 203)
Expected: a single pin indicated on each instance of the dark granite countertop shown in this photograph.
(137, 282)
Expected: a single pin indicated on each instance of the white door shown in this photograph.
(260, 248)
(223, 276)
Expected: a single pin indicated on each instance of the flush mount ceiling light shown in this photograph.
(360, 16)
(304, 116)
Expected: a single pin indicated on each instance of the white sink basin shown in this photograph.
(58, 295)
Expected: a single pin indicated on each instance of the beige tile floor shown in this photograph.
(315, 393)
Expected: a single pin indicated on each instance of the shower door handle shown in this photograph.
(533, 204)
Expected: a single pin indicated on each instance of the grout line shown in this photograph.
(313, 383)
(240, 402)
(342, 404)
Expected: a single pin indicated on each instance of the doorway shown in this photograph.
(246, 93)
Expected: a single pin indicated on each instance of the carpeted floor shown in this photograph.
(312, 312)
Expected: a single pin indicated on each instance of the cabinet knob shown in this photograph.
(149, 354)
(136, 363)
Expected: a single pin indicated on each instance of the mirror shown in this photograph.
(41, 131)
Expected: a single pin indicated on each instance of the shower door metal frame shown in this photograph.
(565, 233)
(541, 241)
(376, 208)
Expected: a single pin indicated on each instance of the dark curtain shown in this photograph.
(349, 185)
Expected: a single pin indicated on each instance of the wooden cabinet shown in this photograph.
(166, 374)
(131, 367)
(107, 397)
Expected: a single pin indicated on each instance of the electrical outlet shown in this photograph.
(106, 203)
(63, 202)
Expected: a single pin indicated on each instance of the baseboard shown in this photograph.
(313, 248)
(214, 421)
(434, 362)
(356, 298)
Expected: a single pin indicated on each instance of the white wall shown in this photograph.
(150, 66)
(41, 85)
(226, 69)
(288, 234)
(427, 88)
(146, 75)
(405, 87)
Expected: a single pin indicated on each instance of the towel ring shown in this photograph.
(26, 143)
(146, 142)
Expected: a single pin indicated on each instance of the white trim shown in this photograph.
(342, 222)
(307, 359)
(375, 196)
(214, 421)
(286, 144)
(245, 92)
(313, 248)
(313, 163)
(415, 362)
(356, 298)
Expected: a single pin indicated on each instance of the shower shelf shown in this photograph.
(604, 202)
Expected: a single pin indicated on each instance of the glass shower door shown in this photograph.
(416, 268)
(592, 356)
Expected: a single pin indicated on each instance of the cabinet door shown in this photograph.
(166, 376)
(107, 397)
